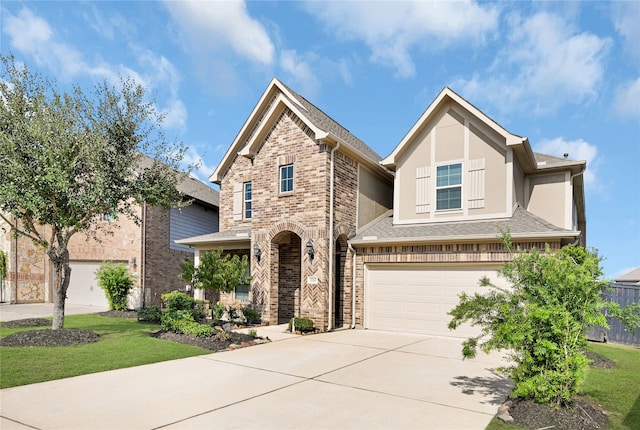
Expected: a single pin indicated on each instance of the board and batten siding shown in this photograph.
(190, 221)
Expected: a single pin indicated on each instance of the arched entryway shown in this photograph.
(339, 281)
(287, 279)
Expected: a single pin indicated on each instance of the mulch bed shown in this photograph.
(73, 337)
(236, 340)
(582, 414)
(48, 337)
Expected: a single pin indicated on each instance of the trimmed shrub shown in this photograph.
(251, 315)
(152, 314)
(193, 328)
(179, 301)
(116, 282)
(302, 325)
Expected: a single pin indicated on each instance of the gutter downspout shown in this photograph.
(353, 286)
(331, 207)
(143, 257)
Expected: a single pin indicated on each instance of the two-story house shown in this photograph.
(339, 235)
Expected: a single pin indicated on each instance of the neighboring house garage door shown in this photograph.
(416, 299)
(83, 288)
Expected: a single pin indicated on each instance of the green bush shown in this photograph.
(218, 311)
(151, 314)
(251, 315)
(179, 301)
(171, 320)
(196, 329)
(302, 325)
(116, 282)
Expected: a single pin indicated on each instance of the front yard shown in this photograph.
(124, 342)
(616, 390)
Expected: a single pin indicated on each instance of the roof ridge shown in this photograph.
(359, 146)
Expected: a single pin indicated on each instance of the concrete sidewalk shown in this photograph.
(352, 379)
(42, 310)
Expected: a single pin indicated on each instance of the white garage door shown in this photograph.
(83, 288)
(416, 299)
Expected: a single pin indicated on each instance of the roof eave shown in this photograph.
(463, 238)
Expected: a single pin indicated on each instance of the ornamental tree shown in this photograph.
(216, 272)
(67, 159)
(541, 321)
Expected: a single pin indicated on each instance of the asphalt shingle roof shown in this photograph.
(521, 223)
(325, 122)
(234, 234)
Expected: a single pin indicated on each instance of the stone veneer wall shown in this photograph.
(26, 278)
(436, 254)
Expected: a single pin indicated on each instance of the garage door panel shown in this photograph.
(417, 298)
(83, 288)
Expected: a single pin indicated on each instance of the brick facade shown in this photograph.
(287, 281)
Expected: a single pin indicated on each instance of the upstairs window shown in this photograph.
(449, 187)
(247, 204)
(286, 178)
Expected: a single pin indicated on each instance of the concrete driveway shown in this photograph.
(351, 379)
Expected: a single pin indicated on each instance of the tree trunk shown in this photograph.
(60, 261)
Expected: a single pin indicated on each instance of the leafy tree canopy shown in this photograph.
(67, 158)
(216, 271)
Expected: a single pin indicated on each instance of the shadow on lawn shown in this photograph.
(495, 388)
(632, 420)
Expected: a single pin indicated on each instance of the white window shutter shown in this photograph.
(423, 188)
(475, 183)
(237, 201)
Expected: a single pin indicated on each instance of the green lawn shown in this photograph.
(616, 389)
(123, 343)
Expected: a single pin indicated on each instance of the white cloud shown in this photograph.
(215, 25)
(577, 150)
(392, 30)
(203, 171)
(33, 36)
(626, 16)
(544, 63)
(41, 44)
(627, 99)
(300, 70)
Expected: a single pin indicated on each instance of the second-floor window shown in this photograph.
(449, 187)
(286, 178)
(247, 204)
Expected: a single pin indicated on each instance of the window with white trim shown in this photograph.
(286, 178)
(247, 203)
(449, 187)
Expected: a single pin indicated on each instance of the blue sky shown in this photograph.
(564, 74)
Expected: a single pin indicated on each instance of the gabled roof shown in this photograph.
(189, 186)
(273, 101)
(529, 160)
(522, 224)
(448, 95)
